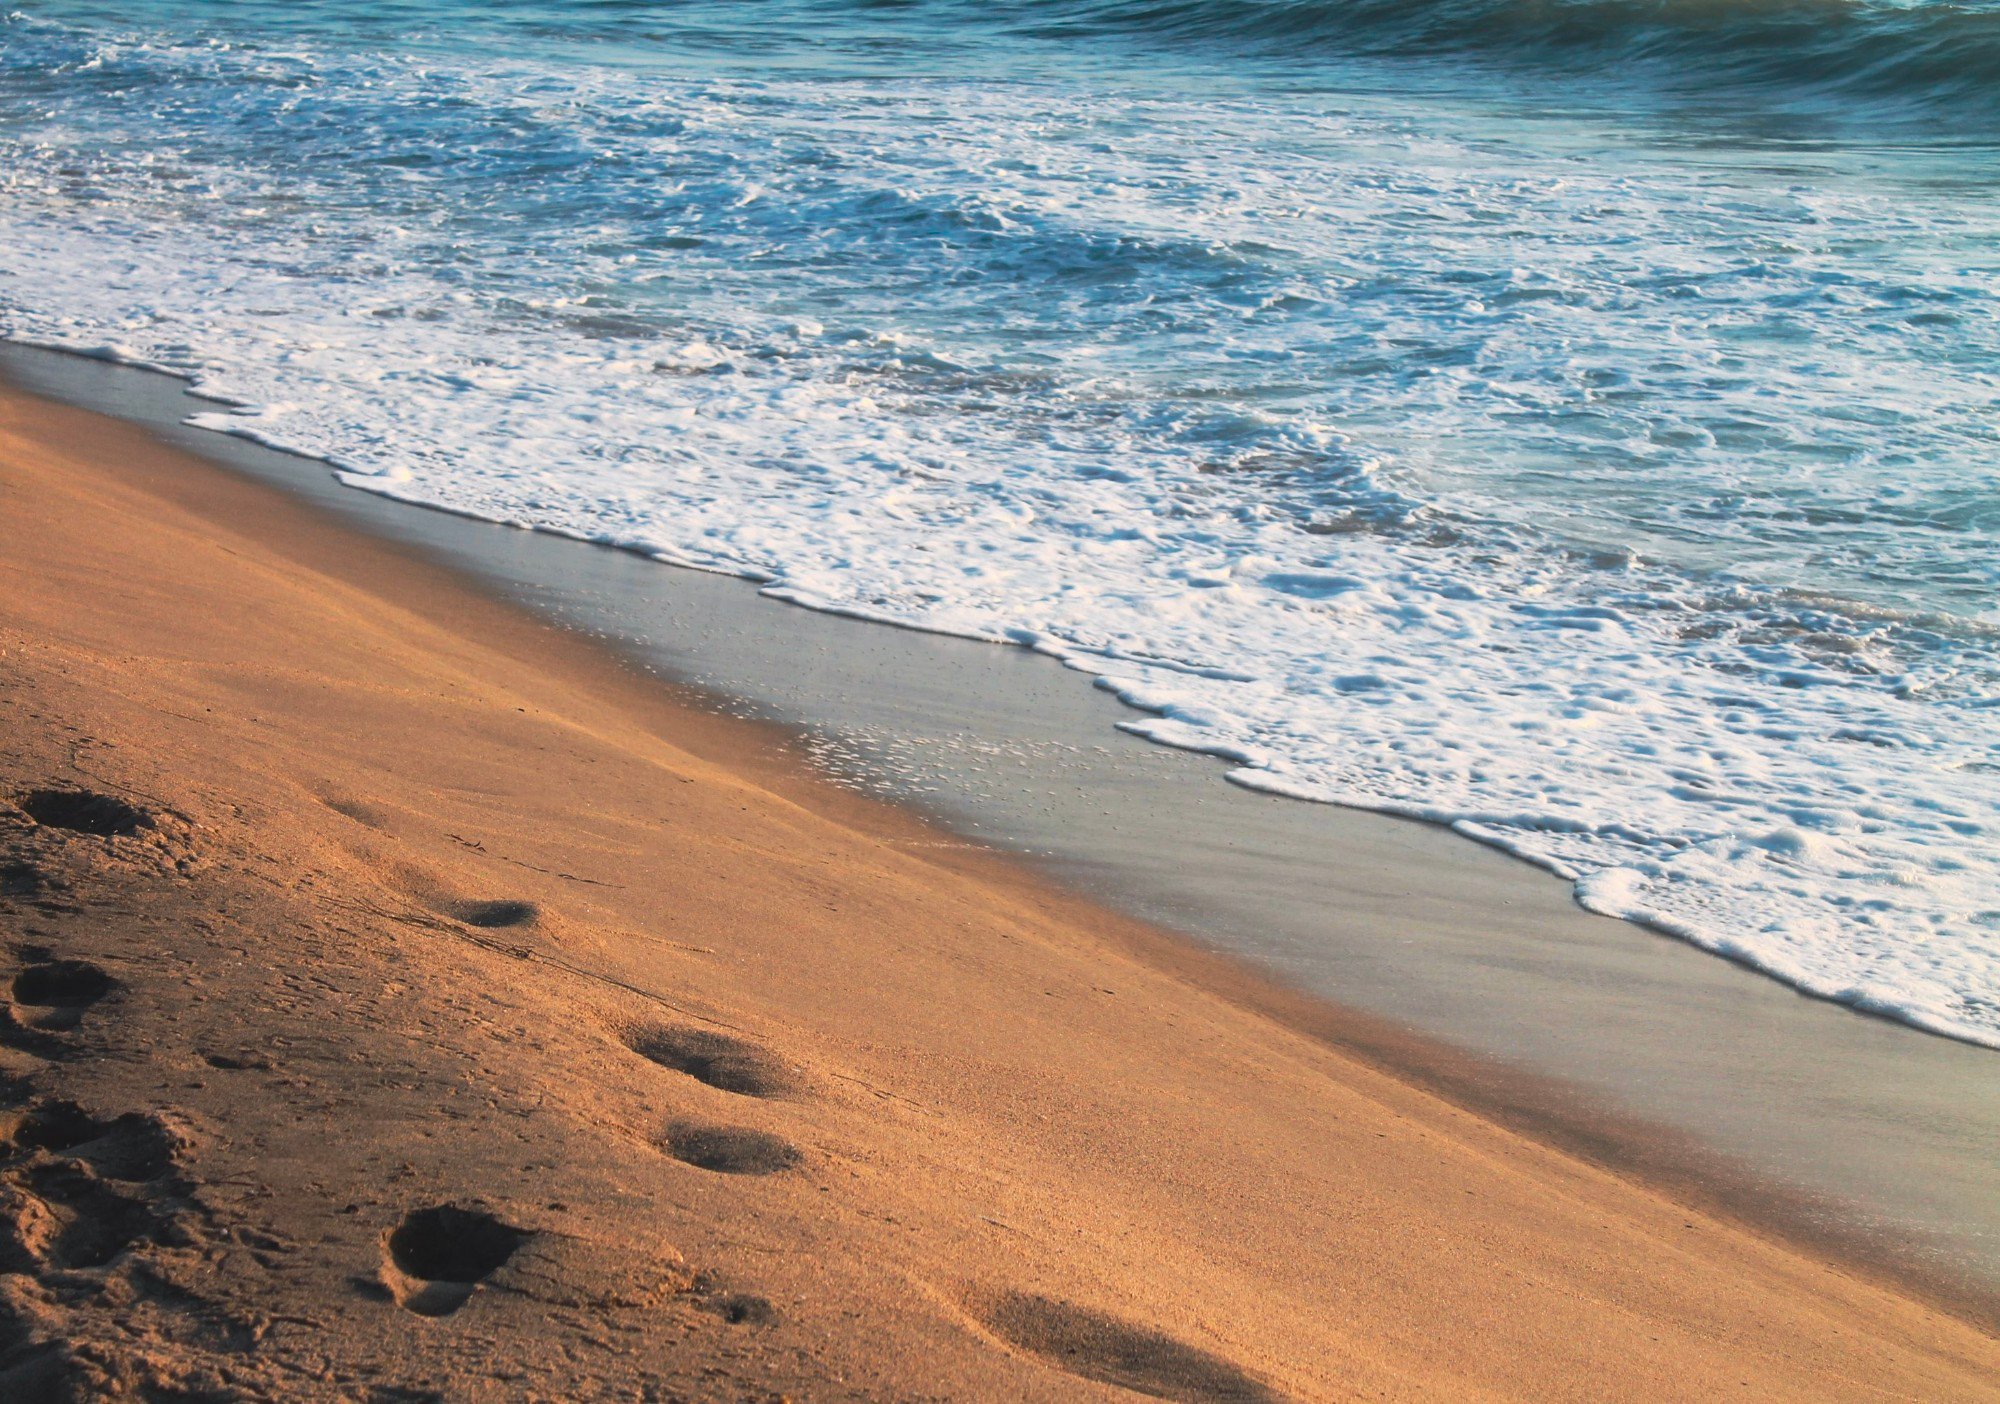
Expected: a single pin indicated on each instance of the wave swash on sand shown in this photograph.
(1555, 476)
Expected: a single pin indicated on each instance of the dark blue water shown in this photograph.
(1897, 60)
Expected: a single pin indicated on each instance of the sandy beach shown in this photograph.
(409, 1000)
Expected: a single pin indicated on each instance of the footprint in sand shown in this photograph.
(67, 984)
(63, 1216)
(493, 915)
(742, 1309)
(712, 1295)
(53, 994)
(436, 1257)
(359, 811)
(84, 812)
(730, 1064)
(59, 1209)
(729, 1150)
(1100, 1347)
(243, 1060)
(135, 1147)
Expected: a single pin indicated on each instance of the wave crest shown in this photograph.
(1927, 55)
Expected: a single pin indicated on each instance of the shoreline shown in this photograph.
(1627, 1046)
(415, 862)
(1082, 661)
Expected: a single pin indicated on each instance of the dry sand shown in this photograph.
(460, 1016)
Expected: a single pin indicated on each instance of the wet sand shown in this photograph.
(1633, 1049)
(407, 996)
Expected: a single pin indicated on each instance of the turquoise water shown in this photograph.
(1571, 422)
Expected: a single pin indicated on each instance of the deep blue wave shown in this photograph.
(1935, 57)
(1929, 55)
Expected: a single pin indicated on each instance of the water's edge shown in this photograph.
(1882, 1126)
(1603, 891)
(1433, 452)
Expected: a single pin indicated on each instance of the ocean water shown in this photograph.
(1577, 422)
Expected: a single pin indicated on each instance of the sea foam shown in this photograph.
(1623, 511)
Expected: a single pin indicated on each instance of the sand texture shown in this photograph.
(406, 1002)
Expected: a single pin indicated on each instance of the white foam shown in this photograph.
(1353, 616)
